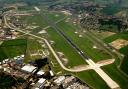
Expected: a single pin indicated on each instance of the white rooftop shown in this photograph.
(59, 79)
(22, 55)
(15, 58)
(36, 8)
(28, 68)
(43, 31)
(41, 72)
(51, 73)
(0, 67)
(42, 80)
(37, 88)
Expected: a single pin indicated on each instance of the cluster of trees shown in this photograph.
(113, 22)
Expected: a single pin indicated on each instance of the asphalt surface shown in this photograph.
(61, 33)
(49, 46)
(112, 84)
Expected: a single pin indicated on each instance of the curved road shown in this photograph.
(112, 84)
(49, 46)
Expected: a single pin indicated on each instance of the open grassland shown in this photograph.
(124, 65)
(73, 59)
(123, 35)
(124, 50)
(12, 48)
(61, 45)
(55, 16)
(113, 71)
(116, 75)
(102, 34)
(83, 42)
(55, 66)
(90, 77)
(35, 18)
(33, 47)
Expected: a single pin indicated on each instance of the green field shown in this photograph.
(111, 70)
(124, 50)
(116, 75)
(124, 64)
(123, 35)
(90, 77)
(55, 16)
(60, 43)
(74, 59)
(12, 48)
(36, 18)
(32, 47)
(83, 42)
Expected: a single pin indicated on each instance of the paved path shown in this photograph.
(55, 23)
(112, 84)
(49, 46)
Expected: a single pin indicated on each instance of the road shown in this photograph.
(69, 41)
(49, 46)
(112, 84)
(55, 23)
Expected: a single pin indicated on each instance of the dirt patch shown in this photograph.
(119, 43)
(106, 62)
(80, 67)
(107, 34)
(62, 57)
